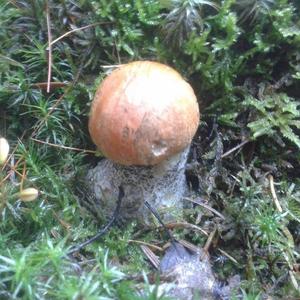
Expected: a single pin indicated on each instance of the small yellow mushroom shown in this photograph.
(4, 150)
(28, 194)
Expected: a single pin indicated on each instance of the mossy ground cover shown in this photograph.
(243, 60)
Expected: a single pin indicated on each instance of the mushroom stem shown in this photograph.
(163, 186)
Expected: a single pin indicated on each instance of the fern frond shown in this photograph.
(259, 105)
(261, 127)
(295, 123)
(275, 112)
(288, 133)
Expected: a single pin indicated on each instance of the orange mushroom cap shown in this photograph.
(142, 113)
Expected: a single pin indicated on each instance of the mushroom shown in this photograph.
(4, 150)
(143, 118)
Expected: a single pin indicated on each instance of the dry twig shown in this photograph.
(229, 256)
(49, 47)
(64, 147)
(77, 29)
(185, 225)
(274, 196)
(151, 256)
(152, 246)
(287, 233)
(105, 228)
(209, 240)
(199, 202)
(44, 85)
(235, 148)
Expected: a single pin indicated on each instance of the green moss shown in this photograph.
(241, 57)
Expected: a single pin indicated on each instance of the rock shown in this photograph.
(192, 276)
(191, 272)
